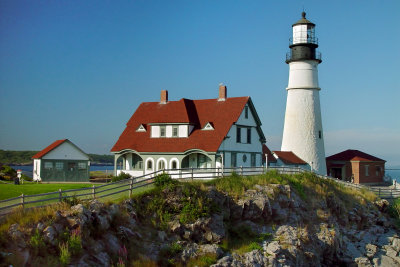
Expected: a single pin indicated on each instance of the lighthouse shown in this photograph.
(302, 131)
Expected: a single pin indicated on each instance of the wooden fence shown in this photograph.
(127, 187)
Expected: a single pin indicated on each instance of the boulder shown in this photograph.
(228, 261)
(382, 205)
(50, 235)
(162, 236)
(273, 248)
(95, 205)
(370, 250)
(210, 249)
(175, 226)
(254, 258)
(111, 243)
(363, 262)
(16, 235)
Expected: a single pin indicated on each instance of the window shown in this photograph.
(48, 165)
(249, 135)
(162, 131)
(175, 131)
(246, 112)
(238, 135)
(244, 158)
(82, 165)
(149, 165)
(71, 166)
(59, 166)
(253, 159)
(366, 170)
(174, 165)
(233, 159)
(319, 134)
(161, 165)
(378, 170)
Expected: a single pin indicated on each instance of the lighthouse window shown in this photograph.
(319, 134)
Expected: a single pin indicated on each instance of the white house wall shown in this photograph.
(66, 151)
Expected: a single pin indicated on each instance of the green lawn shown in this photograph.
(11, 190)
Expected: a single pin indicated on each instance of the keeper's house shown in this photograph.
(205, 133)
(356, 166)
(62, 161)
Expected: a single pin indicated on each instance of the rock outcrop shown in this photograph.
(285, 229)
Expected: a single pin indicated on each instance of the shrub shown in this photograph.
(254, 246)
(167, 254)
(162, 180)
(75, 242)
(71, 201)
(65, 255)
(121, 176)
(37, 243)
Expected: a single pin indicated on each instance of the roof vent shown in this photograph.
(164, 97)
(222, 92)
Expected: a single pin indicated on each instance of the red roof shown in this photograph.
(266, 150)
(353, 155)
(221, 114)
(48, 149)
(288, 157)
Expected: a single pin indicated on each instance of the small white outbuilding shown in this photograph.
(62, 161)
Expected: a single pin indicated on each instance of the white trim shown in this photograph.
(141, 128)
(208, 127)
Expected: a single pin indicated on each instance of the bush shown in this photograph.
(37, 243)
(121, 176)
(163, 180)
(65, 255)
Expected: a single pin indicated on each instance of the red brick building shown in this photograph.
(357, 166)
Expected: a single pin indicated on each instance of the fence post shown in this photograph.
(241, 170)
(192, 174)
(22, 201)
(94, 191)
(391, 193)
(130, 188)
(379, 192)
(60, 194)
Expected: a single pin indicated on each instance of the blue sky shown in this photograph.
(79, 69)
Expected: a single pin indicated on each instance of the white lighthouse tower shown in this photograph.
(302, 132)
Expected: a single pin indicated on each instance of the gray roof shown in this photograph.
(303, 20)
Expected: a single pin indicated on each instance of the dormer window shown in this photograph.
(162, 131)
(141, 128)
(174, 131)
(208, 126)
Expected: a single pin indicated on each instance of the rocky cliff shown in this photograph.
(297, 223)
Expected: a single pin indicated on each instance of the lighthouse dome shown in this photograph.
(303, 20)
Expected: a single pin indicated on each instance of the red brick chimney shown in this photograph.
(222, 93)
(164, 97)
